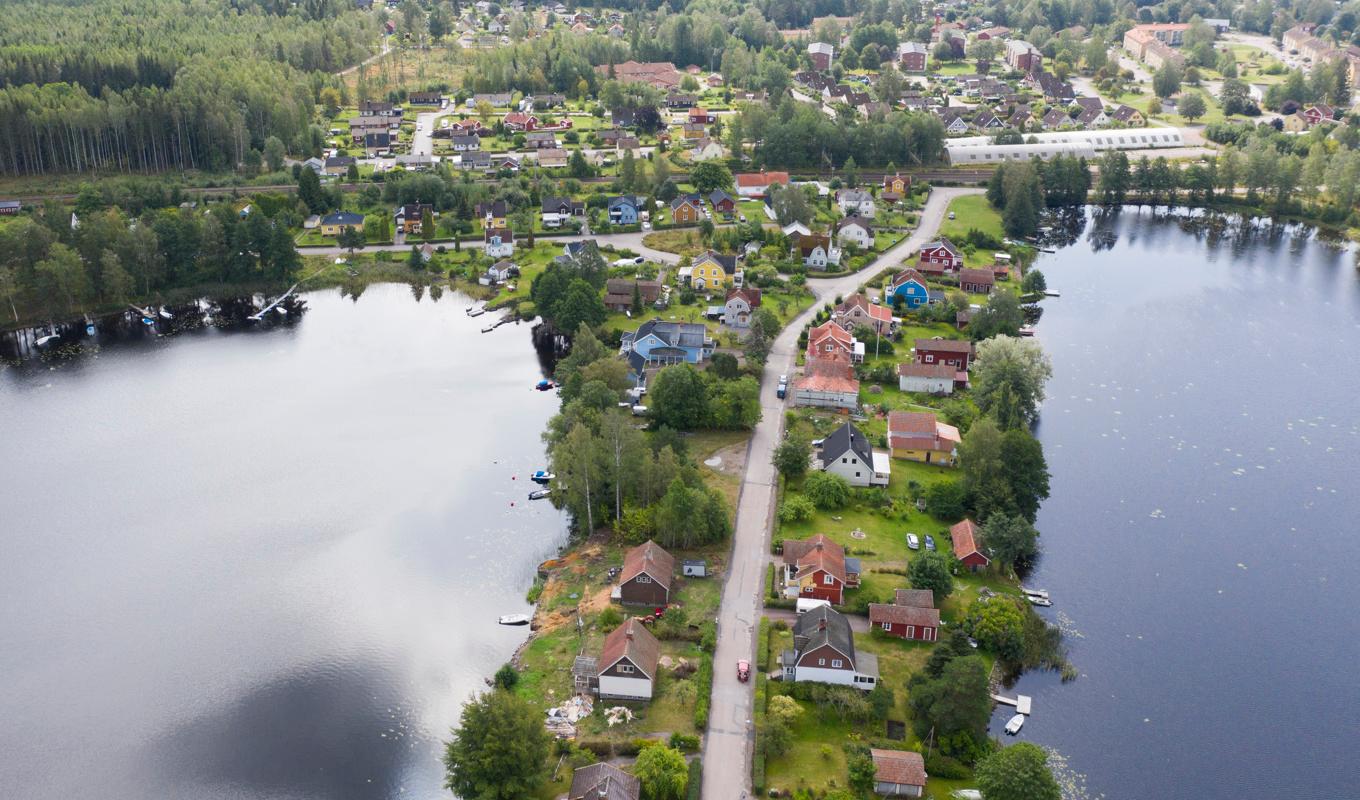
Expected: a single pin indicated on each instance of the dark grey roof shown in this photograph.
(675, 334)
(603, 782)
(728, 261)
(847, 437)
(809, 633)
(342, 218)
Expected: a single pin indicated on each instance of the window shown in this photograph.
(887, 626)
(624, 669)
(828, 579)
(643, 579)
(930, 359)
(821, 662)
(911, 631)
(845, 460)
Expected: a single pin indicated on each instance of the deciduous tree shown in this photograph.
(498, 751)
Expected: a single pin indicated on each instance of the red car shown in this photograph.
(743, 671)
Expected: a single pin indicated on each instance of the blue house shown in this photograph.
(623, 210)
(658, 343)
(908, 288)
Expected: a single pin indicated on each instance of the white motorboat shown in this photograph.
(539, 494)
(514, 619)
(1040, 601)
(1035, 592)
(1016, 723)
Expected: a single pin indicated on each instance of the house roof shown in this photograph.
(922, 598)
(942, 242)
(945, 345)
(1090, 102)
(808, 242)
(829, 330)
(847, 438)
(875, 311)
(977, 276)
(719, 195)
(687, 199)
(555, 204)
(899, 766)
(342, 218)
(910, 369)
(748, 293)
(905, 276)
(828, 375)
(815, 553)
(821, 47)
(853, 219)
(674, 334)
(632, 641)
(649, 558)
(603, 782)
(911, 422)
(755, 179)
(904, 615)
(618, 291)
(727, 261)
(965, 537)
(824, 626)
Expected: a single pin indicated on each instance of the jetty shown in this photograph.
(1021, 702)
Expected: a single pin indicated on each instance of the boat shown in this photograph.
(542, 476)
(1040, 601)
(1015, 724)
(514, 619)
(539, 494)
(1035, 592)
(476, 312)
(544, 385)
(167, 314)
(488, 329)
(43, 341)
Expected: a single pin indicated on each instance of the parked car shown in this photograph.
(951, 214)
(930, 542)
(782, 390)
(743, 670)
(913, 542)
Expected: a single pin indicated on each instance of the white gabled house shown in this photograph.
(847, 453)
(824, 652)
(628, 662)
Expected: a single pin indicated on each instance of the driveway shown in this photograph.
(728, 745)
(422, 144)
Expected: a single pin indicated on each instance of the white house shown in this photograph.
(740, 305)
(628, 662)
(706, 150)
(928, 378)
(855, 231)
(847, 453)
(499, 242)
(824, 652)
(855, 202)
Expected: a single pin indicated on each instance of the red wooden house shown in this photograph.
(517, 121)
(939, 257)
(912, 615)
(954, 352)
(817, 569)
(701, 116)
(977, 281)
(966, 549)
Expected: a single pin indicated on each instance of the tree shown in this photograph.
(498, 751)
(1020, 217)
(581, 304)
(792, 454)
(734, 404)
(427, 229)
(998, 625)
(1002, 316)
(851, 172)
(782, 712)
(827, 491)
(578, 460)
(628, 173)
(1192, 106)
(709, 176)
(506, 677)
(1009, 376)
(956, 704)
(930, 570)
(679, 398)
(1018, 772)
(310, 191)
(578, 167)
(790, 204)
(274, 153)
(1010, 539)
(1167, 80)
(662, 772)
(1026, 473)
(1034, 282)
(61, 276)
(724, 365)
(636, 305)
(1114, 177)
(329, 97)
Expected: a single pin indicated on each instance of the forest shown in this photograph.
(150, 85)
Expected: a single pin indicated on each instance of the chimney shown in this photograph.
(628, 631)
(818, 545)
(821, 623)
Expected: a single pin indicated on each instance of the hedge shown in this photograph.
(684, 742)
(763, 646)
(769, 580)
(703, 684)
(695, 781)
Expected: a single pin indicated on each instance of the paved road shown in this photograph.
(728, 745)
(422, 143)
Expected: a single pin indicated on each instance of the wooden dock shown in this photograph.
(1021, 702)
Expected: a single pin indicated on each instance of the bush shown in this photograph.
(684, 741)
(703, 686)
(763, 644)
(827, 491)
(942, 766)
(708, 640)
(506, 677)
(946, 499)
(610, 618)
(696, 779)
(796, 508)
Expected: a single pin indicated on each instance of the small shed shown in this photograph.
(585, 673)
(694, 569)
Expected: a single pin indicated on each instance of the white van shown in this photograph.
(806, 605)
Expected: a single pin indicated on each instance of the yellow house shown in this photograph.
(1296, 122)
(332, 224)
(714, 271)
(919, 436)
(493, 214)
(896, 184)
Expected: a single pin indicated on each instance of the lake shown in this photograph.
(265, 564)
(1203, 433)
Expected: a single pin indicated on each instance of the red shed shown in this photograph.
(965, 538)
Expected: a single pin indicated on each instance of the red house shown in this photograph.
(965, 538)
(830, 340)
(912, 615)
(939, 257)
(1318, 113)
(954, 352)
(646, 577)
(701, 116)
(977, 281)
(517, 121)
(817, 569)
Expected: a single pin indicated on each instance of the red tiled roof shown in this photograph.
(875, 311)
(964, 535)
(899, 766)
(909, 422)
(828, 375)
(752, 179)
(815, 553)
(633, 641)
(904, 615)
(648, 557)
(751, 294)
(828, 330)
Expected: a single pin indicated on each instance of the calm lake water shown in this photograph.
(265, 564)
(1200, 546)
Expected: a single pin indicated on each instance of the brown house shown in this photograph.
(628, 662)
(647, 576)
(977, 281)
(618, 293)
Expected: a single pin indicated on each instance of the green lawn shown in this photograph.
(972, 211)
